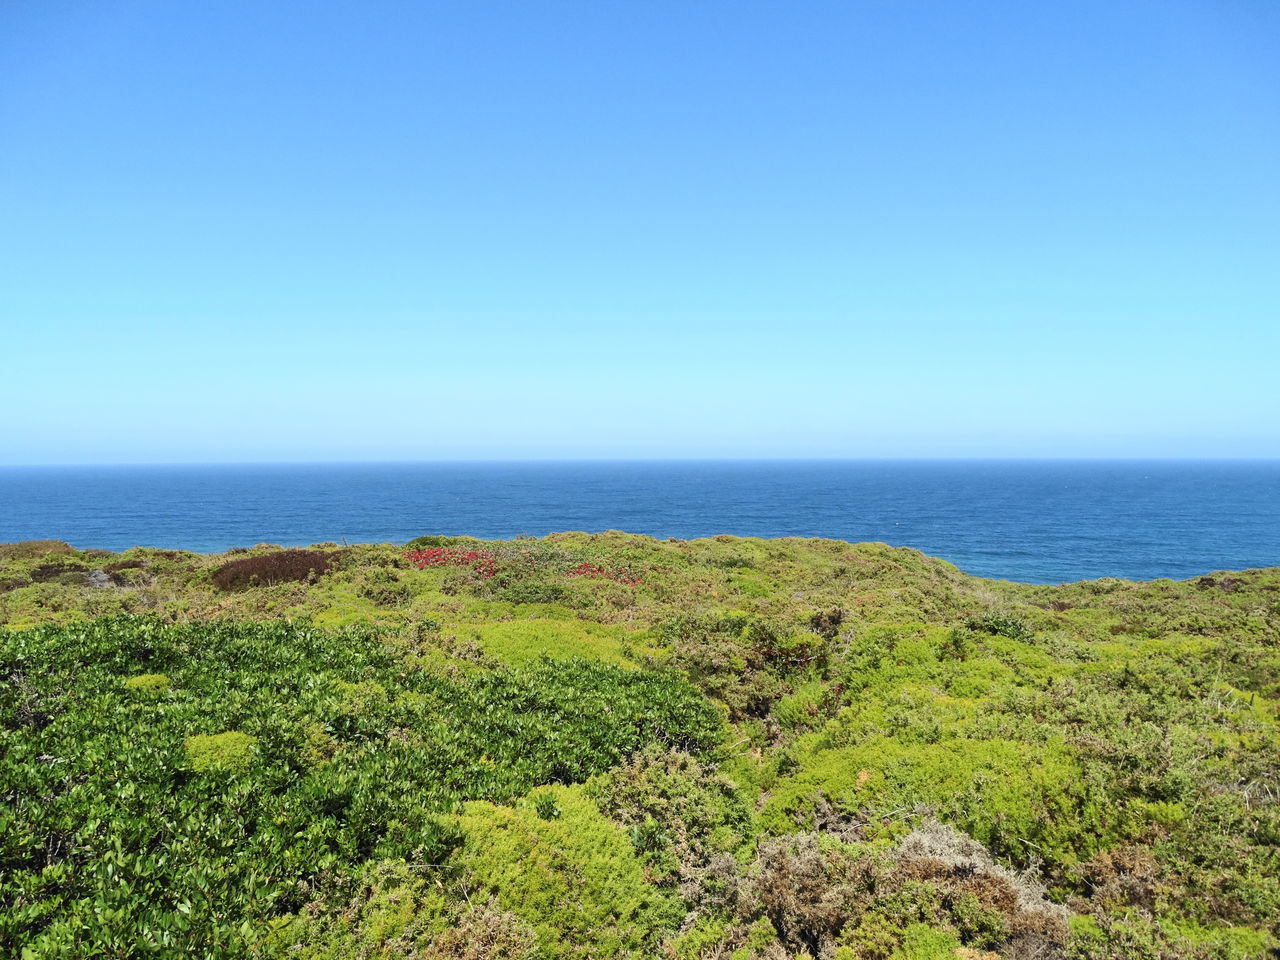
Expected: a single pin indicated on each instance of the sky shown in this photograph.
(372, 230)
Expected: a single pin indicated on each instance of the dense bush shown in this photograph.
(573, 877)
(280, 760)
(826, 623)
(1001, 625)
(149, 684)
(741, 661)
(230, 752)
(679, 812)
(384, 587)
(281, 566)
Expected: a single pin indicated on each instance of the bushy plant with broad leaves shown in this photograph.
(282, 761)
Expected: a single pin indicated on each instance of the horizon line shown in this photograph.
(506, 461)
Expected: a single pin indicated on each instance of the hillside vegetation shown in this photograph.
(606, 746)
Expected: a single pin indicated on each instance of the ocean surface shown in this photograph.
(1034, 521)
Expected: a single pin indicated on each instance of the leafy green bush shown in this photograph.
(384, 587)
(1001, 625)
(385, 910)
(738, 660)
(435, 540)
(334, 756)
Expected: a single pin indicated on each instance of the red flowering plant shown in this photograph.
(617, 575)
(481, 561)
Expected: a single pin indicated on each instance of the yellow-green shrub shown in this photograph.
(574, 878)
(220, 752)
(148, 684)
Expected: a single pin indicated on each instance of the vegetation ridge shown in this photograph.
(598, 746)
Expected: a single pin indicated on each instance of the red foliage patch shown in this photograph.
(479, 560)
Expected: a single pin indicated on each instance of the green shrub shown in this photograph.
(826, 623)
(806, 706)
(384, 587)
(679, 812)
(435, 540)
(574, 878)
(531, 591)
(1001, 625)
(1127, 752)
(922, 942)
(336, 754)
(33, 549)
(388, 911)
(149, 684)
(228, 752)
(484, 932)
(734, 659)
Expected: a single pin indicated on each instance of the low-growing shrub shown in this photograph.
(1001, 625)
(281, 566)
(228, 752)
(30, 549)
(531, 591)
(732, 563)
(383, 587)
(988, 902)
(119, 565)
(484, 932)
(148, 684)
(959, 644)
(334, 754)
(1126, 755)
(621, 575)
(386, 911)
(826, 623)
(679, 811)
(70, 572)
(931, 895)
(573, 877)
(436, 540)
(740, 660)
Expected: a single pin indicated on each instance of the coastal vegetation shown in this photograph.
(608, 746)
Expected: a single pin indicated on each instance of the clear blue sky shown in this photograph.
(375, 230)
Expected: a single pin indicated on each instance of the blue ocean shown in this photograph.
(1033, 521)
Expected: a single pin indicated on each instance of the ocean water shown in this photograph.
(1034, 521)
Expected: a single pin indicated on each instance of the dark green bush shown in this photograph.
(281, 760)
(1001, 625)
(732, 563)
(384, 587)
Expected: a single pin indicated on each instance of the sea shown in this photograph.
(1031, 521)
